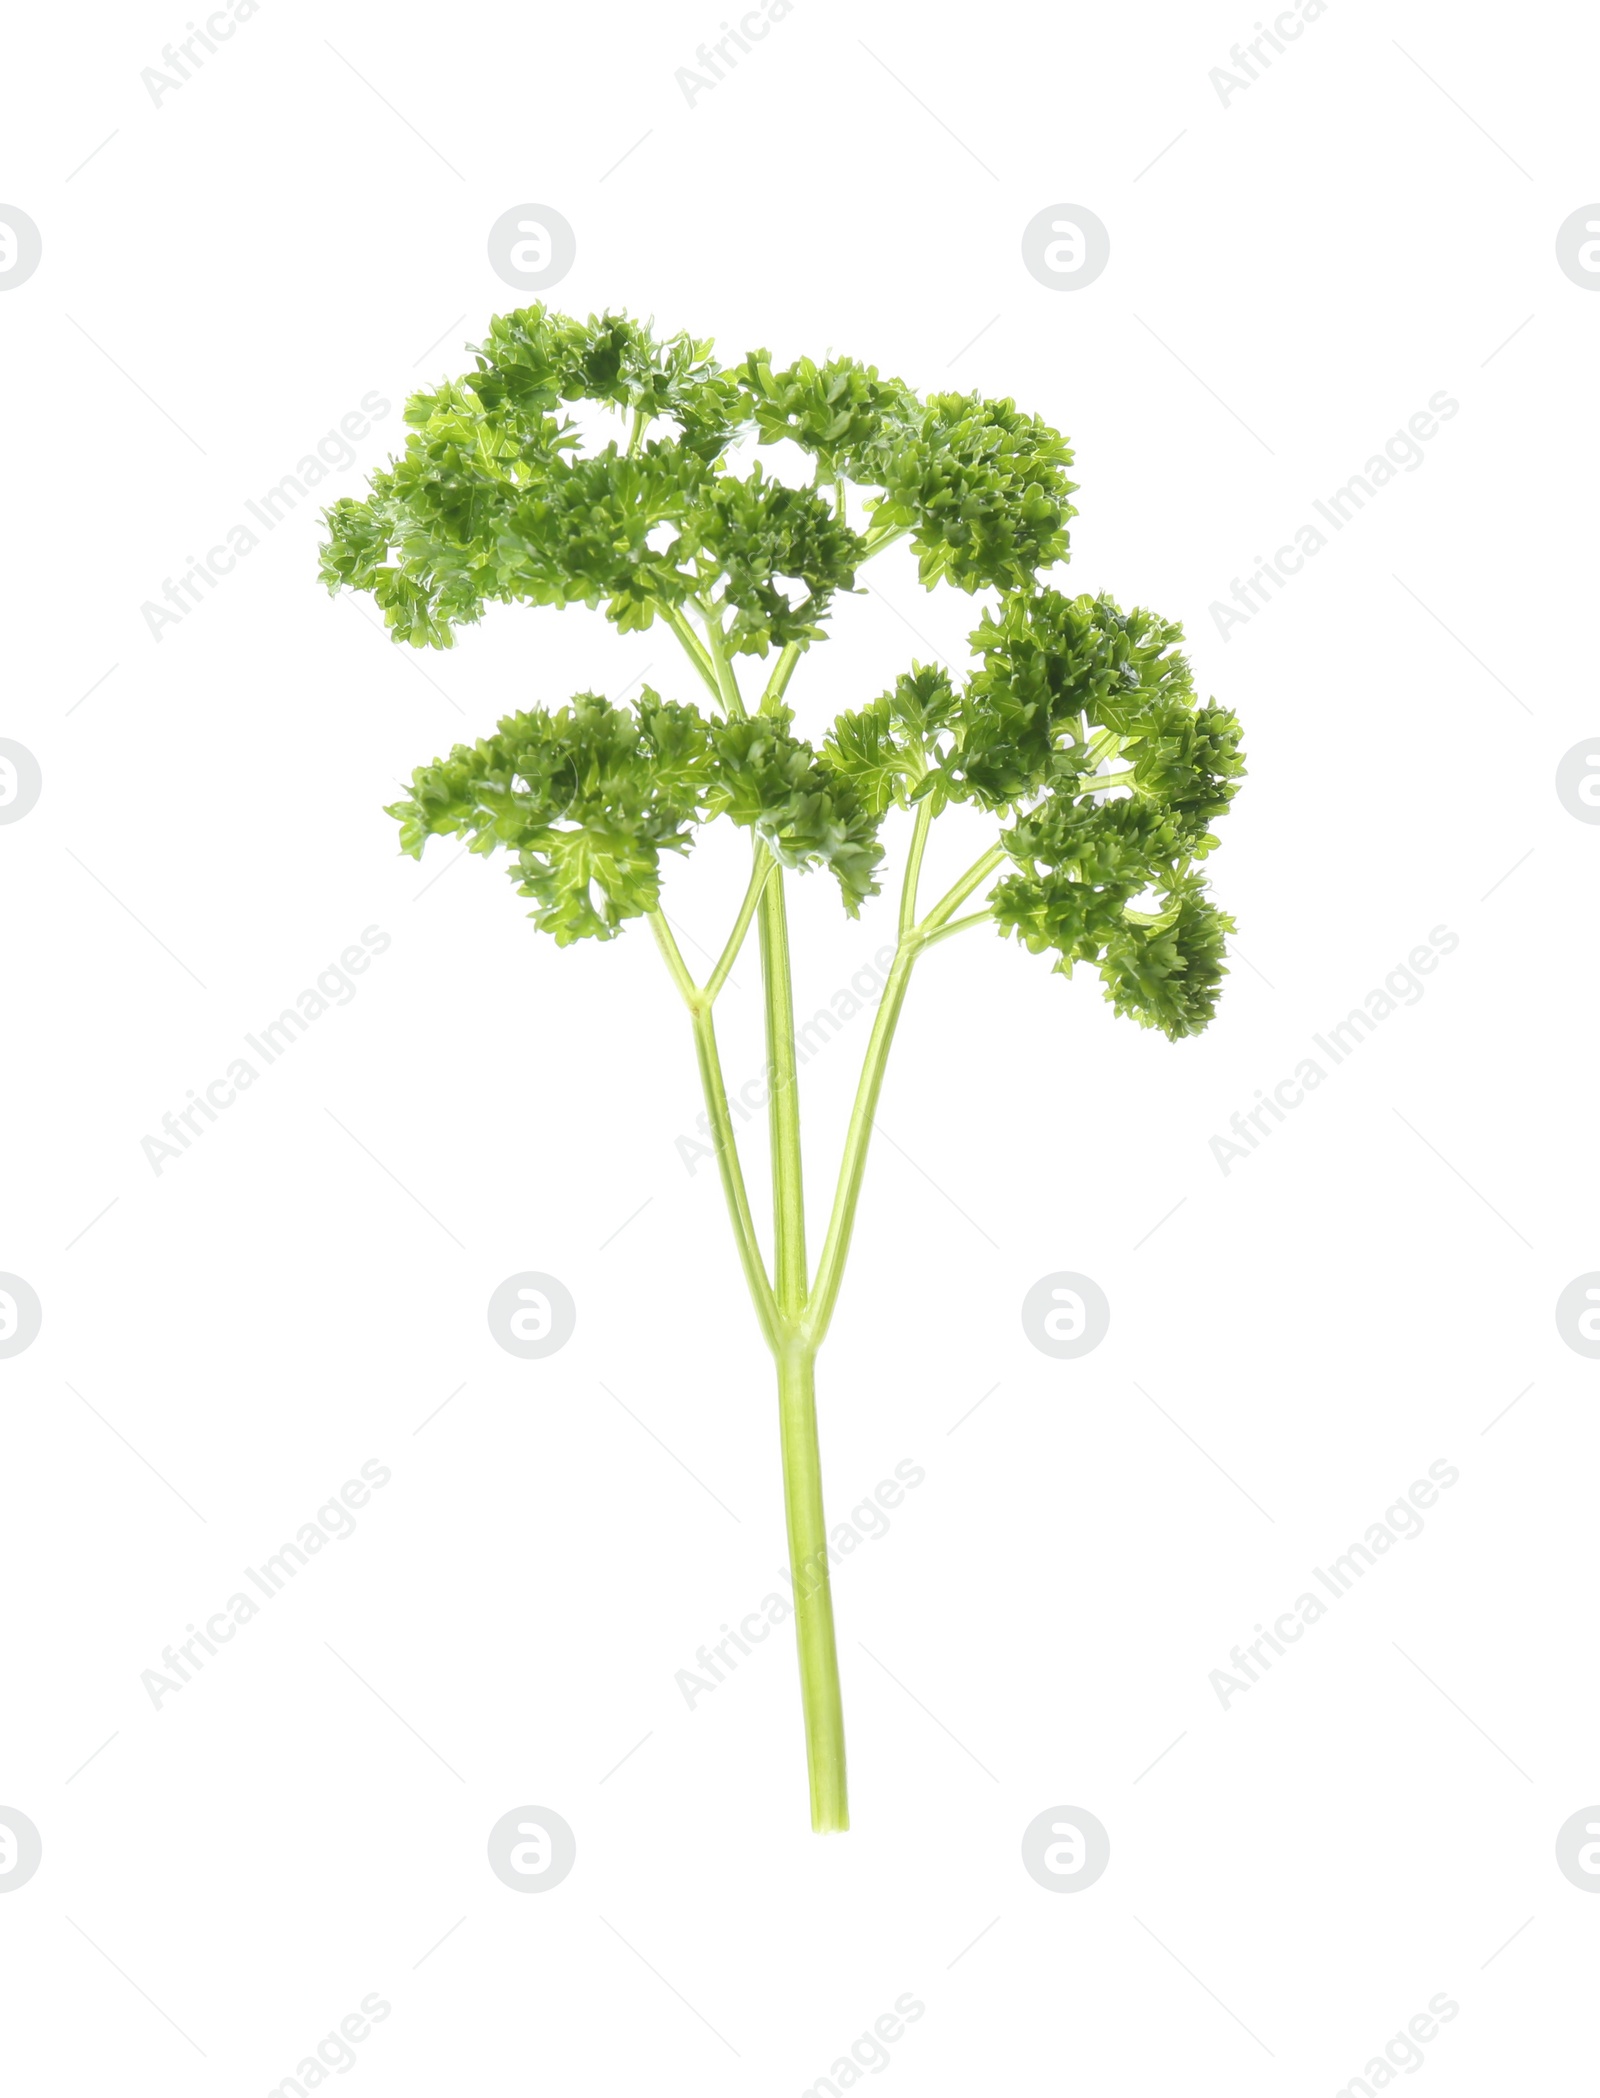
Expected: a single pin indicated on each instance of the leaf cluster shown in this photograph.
(1066, 688)
(1077, 724)
(588, 797)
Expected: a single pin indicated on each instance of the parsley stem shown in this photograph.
(733, 1187)
(691, 645)
(804, 1518)
(908, 887)
(727, 1145)
(727, 685)
(783, 1104)
(853, 1163)
(764, 864)
(780, 1315)
(1105, 743)
(778, 683)
(880, 537)
(932, 939)
(953, 898)
(813, 1598)
(673, 958)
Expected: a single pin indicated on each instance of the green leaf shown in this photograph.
(981, 486)
(587, 798)
(1078, 723)
(1169, 976)
(771, 782)
(759, 535)
(861, 748)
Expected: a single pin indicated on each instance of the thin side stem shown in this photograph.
(853, 1164)
(953, 898)
(783, 1105)
(733, 1188)
(778, 683)
(908, 887)
(727, 1146)
(674, 959)
(692, 646)
(727, 684)
(879, 538)
(764, 864)
(955, 925)
(1105, 743)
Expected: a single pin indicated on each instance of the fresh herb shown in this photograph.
(1077, 729)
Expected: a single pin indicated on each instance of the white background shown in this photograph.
(304, 222)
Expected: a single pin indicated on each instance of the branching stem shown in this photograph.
(721, 1120)
(880, 537)
(932, 939)
(674, 959)
(853, 1164)
(793, 1307)
(778, 683)
(953, 898)
(783, 1105)
(759, 873)
(692, 647)
(727, 685)
(908, 887)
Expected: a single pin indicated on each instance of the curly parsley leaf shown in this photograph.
(587, 798)
(1077, 724)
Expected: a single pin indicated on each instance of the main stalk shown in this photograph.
(797, 1402)
(793, 1307)
(813, 1596)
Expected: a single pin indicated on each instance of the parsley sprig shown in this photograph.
(1077, 728)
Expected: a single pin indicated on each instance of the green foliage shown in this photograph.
(1077, 725)
(589, 797)
(1066, 685)
(807, 813)
(886, 747)
(1053, 670)
(981, 488)
(1075, 729)
(760, 532)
